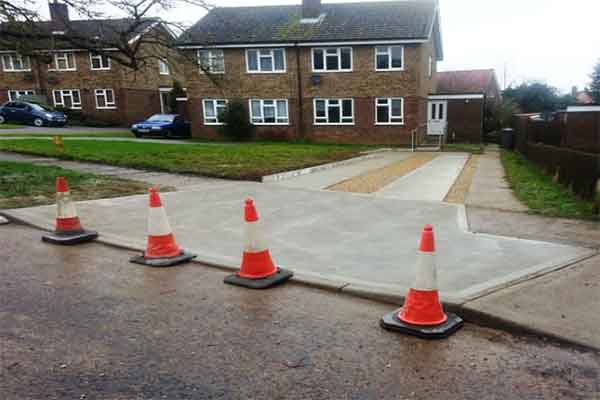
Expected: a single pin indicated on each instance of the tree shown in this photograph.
(22, 29)
(176, 92)
(595, 84)
(534, 97)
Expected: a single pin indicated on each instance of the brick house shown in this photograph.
(347, 72)
(77, 79)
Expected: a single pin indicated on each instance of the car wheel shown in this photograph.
(2, 119)
(38, 122)
(168, 134)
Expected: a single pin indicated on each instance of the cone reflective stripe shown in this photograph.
(257, 270)
(422, 314)
(68, 229)
(161, 248)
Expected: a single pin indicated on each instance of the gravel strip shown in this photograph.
(375, 180)
(458, 192)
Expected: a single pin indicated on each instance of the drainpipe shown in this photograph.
(300, 129)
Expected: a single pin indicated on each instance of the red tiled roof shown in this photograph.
(472, 81)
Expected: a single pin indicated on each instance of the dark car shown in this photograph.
(165, 125)
(31, 113)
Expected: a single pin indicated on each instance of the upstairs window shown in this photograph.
(105, 99)
(15, 63)
(332, 59)
(163, 67)
(63, 61)
(211, 61)
(265, 61)
(389, 111)
(99, 62)
(213, 109)
(389, 58)
(269, 112)
(15, 94)
(334, 111)
(67, 98)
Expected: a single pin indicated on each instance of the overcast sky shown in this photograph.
(555, 41)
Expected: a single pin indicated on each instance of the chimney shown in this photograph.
(59, 14)
(311, 8)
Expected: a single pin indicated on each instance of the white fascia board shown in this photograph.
(455, 96)
(303, 44)
(583, 109)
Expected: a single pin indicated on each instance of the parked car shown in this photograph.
(31, 113)
(165, 125)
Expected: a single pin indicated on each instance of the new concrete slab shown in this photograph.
(357, 240)
(431, 182)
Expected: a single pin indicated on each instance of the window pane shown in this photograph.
(382, 114)
(252, 60)
(396, 57)
(269, 114)
(346, 58)
(100, 100)
(209, 109)
(433, 111)
(57, 97)
(441, 111)
(382, 61)
(396, 108)
(75, 94)
(320, 108)
(256, 108)
(334, 114)
(266, 63)
(282, 109)
(109, 96)
(318, 59)
(218, 63)
(332, 62)
(278, 55)
(347, 108)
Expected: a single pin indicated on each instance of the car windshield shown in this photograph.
(161, 118)
(39, 107)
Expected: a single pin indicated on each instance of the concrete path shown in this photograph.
(360, 244)
(110, 139)
(323, 179)
(431, 182)
(65, 130)
(489, 188)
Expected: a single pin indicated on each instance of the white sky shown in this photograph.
(555, 41)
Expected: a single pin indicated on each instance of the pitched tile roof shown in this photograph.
(341, 22)
(471, 81)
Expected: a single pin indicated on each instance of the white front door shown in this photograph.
(436, 117)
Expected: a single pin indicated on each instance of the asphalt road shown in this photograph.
(83, 323)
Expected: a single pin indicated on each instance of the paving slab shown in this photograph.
(431, 182)
(368, 243)
(564, 303)
(325, 178)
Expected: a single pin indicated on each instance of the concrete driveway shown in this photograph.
(65, 130)
(355, 243)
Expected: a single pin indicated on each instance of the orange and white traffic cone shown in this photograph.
(68, 228)
(257, 270)
(422, 314)
(161, 248)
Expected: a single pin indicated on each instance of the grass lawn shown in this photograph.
(248, 161)
(539, 192)
(50, 133)
(11, 126)
(26, 185)
(464, 147)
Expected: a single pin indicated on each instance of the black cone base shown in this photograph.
(163, 262)
(277, 278)
(64, 238)
(393, 323)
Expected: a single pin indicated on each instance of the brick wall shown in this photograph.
(363, 84)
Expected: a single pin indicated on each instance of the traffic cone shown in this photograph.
(161, 248)
(257, 270)
(422, 314)
(68, 228)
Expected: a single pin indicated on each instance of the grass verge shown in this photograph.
(67, 135)
(248, 161)
(464, 147)
(540, 193)
(26, 185)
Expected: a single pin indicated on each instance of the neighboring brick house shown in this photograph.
(464, 95)
(77, 79)
(348, 72)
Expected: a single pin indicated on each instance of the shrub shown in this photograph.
(176, 92)
(236, 125)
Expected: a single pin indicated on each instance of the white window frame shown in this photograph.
(271, 54)
(389, 106)
(262, 112)
(75, 106)
(64, 55)
(212, 55)
(13, 95)
(327, 101)
(12, 57)
(99, 57)
(388, 52)
(214, 102)
(107, 105)
(163, 67)
(339, 57)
